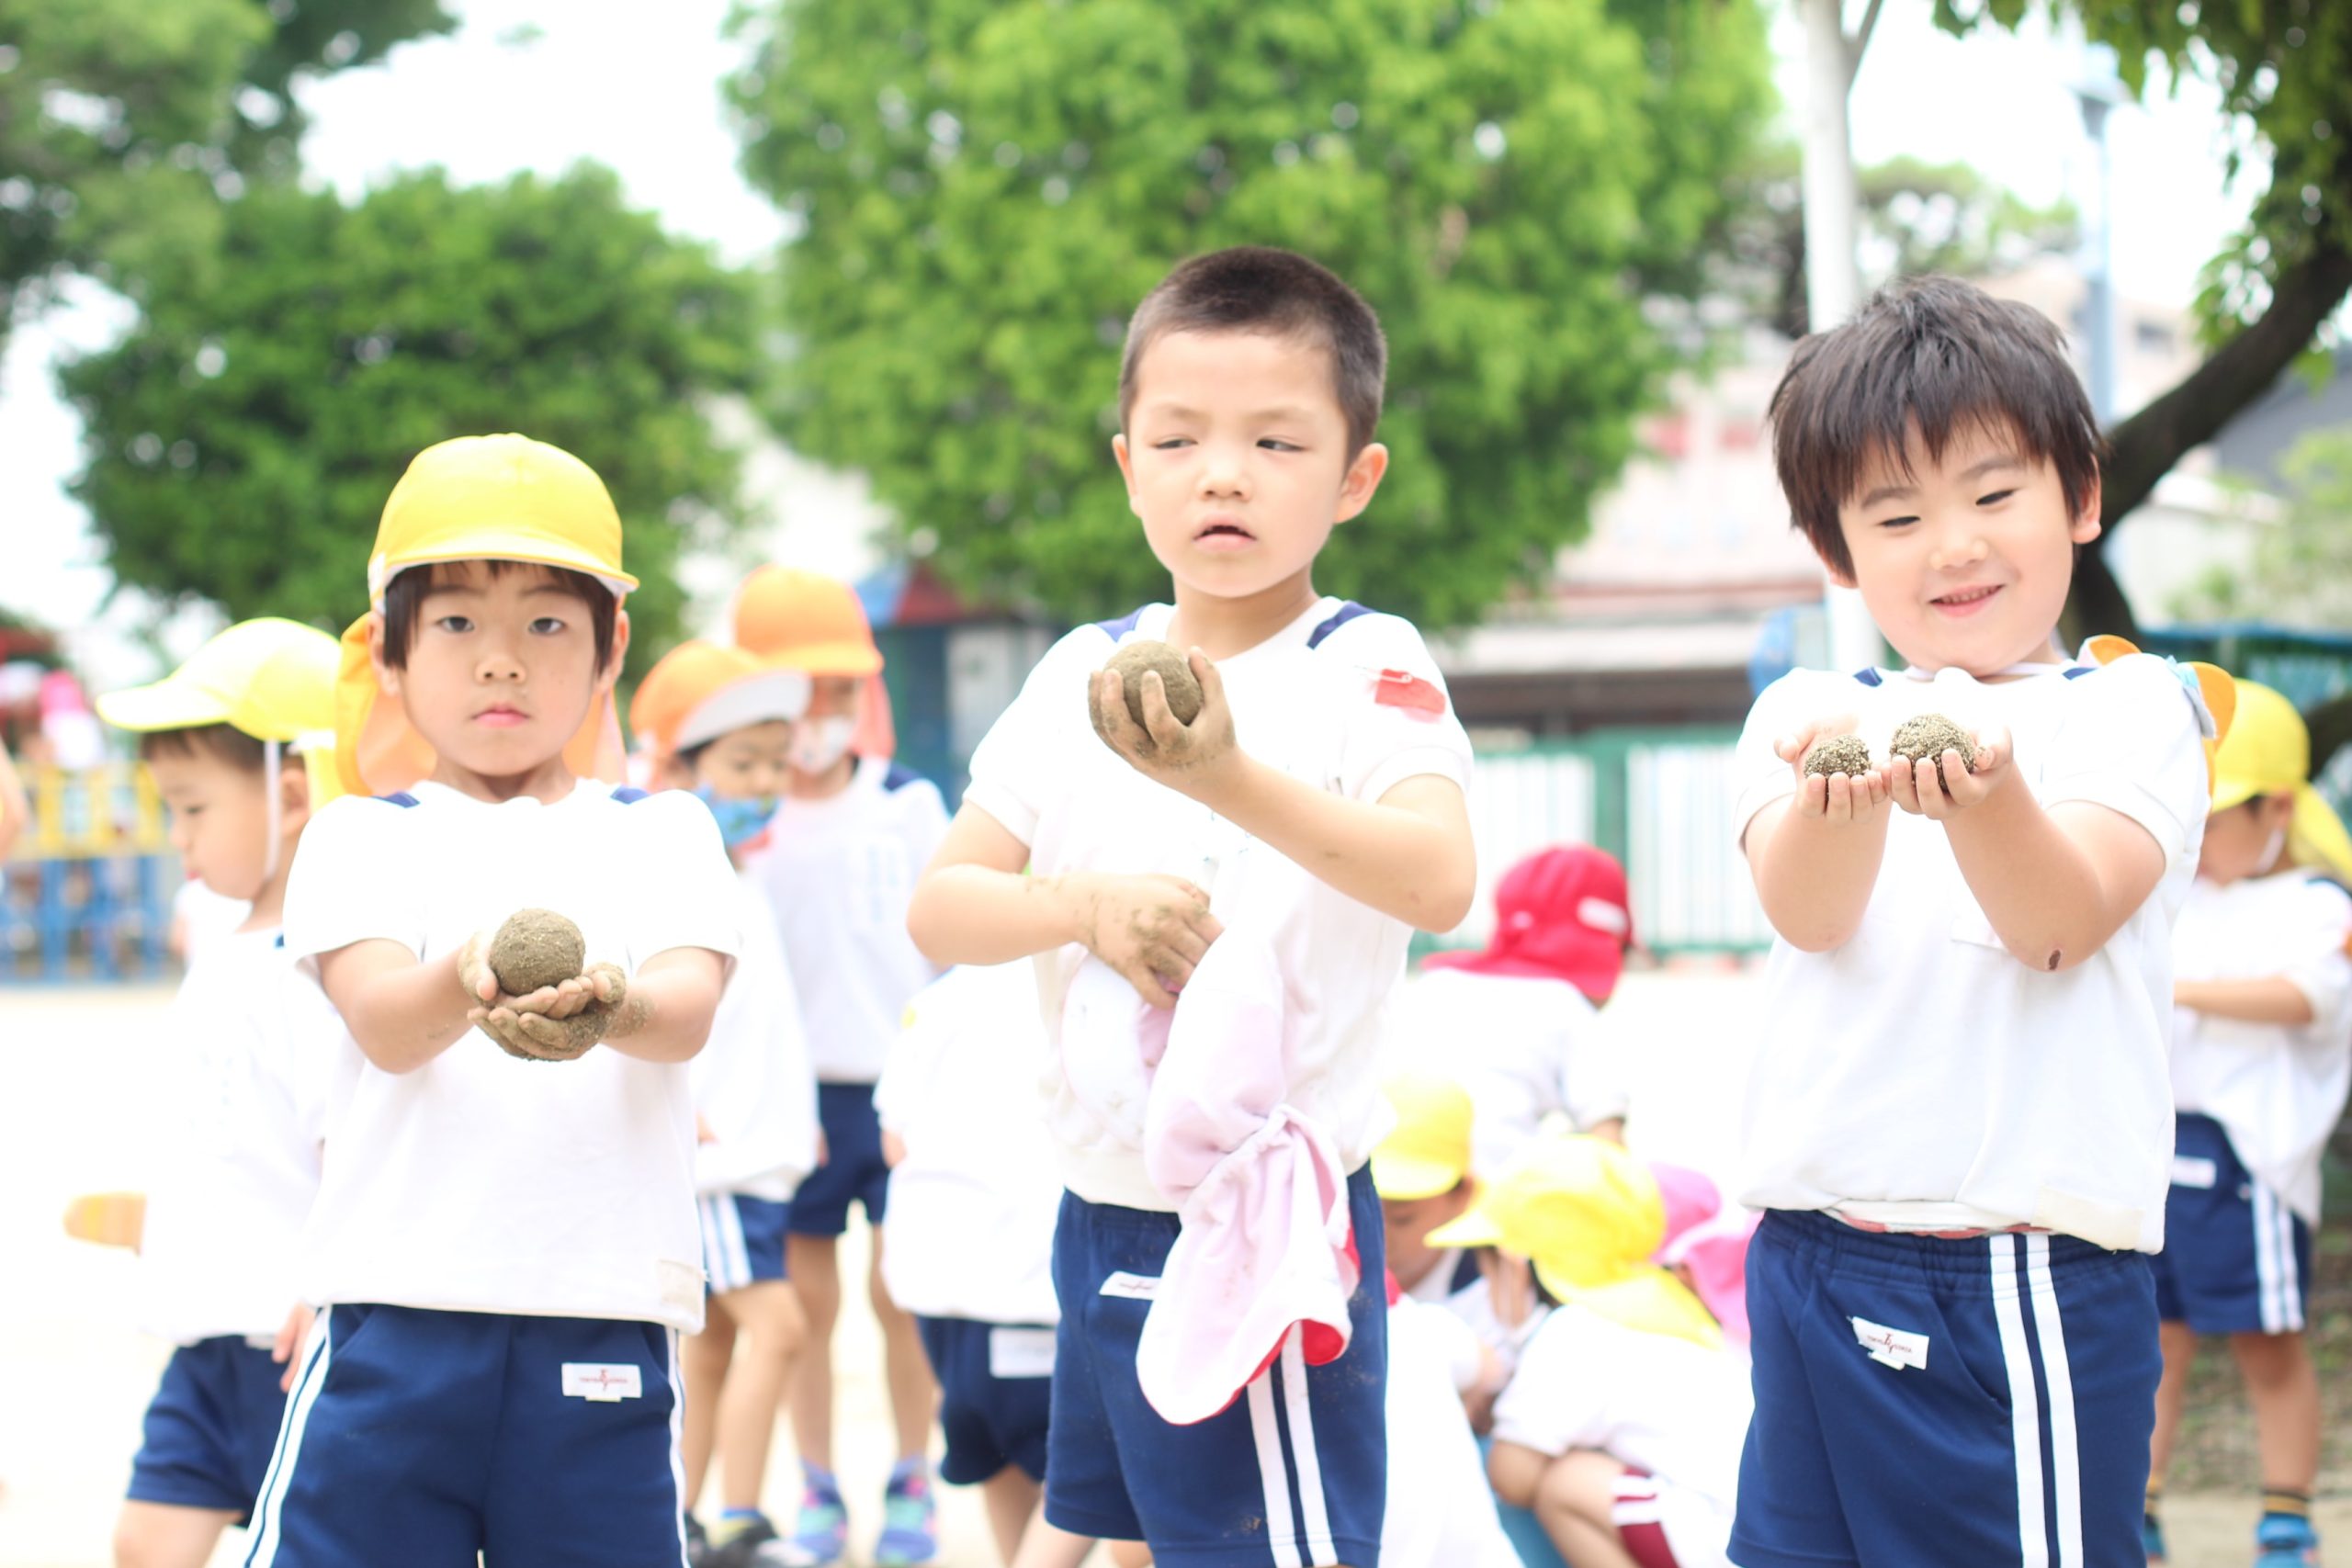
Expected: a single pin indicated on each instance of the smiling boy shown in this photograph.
(504, 1247)
(1248, 393)
(1957, 1121)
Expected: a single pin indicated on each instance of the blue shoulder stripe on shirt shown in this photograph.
(2077, 671)
(397, 797)
(1116, 629)
(899, 778)
(1340, 618)
(1870, 677)
(628, 795)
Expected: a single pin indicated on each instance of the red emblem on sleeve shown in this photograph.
(1403, 689)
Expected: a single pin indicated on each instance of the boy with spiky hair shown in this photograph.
(1957, 1122)
(1248, 397)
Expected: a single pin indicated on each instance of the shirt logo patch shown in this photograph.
(1131, 1287)
(1403, 689)
(1891, 1346)
(2188, 1171)
(603, 1384)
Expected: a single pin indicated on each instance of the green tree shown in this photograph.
(2284, 71)
(241, 439)
(124, 122)
(1525, 192)
(2301, 571)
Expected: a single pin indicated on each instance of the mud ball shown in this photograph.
(535, 948)
(1175, 673)
(1839, 754)
(1929, 737)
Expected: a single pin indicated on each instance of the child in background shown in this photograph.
(232, 740)
(1621, 1427)
(504, 1247)
(840, 860)
(718, 722)
(2261, 1060)
(973, 1195)
(1249, 392)
(1958, 1119)
(1519, 1023)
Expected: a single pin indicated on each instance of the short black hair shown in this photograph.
(1936, 357)
(1259, 288)
(225, 742)
(404, 604)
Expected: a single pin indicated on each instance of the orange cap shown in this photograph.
(699, 691)
(805, 620)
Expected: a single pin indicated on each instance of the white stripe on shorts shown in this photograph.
(1273, 1476)
(2025, 1405)
(2066, 1458)
(2276, 1279)
(270, 1507)
(1303, 1451)
(677, 1444)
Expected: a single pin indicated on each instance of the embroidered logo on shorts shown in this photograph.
(1133, 1287)
(601, 1384)
(1891, 1346)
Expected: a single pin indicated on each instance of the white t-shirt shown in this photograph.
(1523, 1047)
(1653, 1401)
(255, 1056)
(2276, 1090)
(1440, 1510)
(1311, 706)
(750, 1084)
(1921, 1077)
(202, 917)
(839, 873)
(482, 1183)
(974, 1203)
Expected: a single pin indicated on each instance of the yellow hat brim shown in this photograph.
(827, 658)
(1477, 1228)
(2230, 791)
(168, 704)
(1405, 1178)
(531, 548)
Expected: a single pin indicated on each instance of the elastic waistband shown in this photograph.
(1359, 1191)
(1936, 1262)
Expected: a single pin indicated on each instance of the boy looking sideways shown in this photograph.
(1249, 392)
(1959, 1120)
(504, 1248)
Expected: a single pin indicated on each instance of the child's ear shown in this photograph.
(293, 793)
(388, 680)
(1126, 470)
(2086, 526)
(611, 673)
(1363, 478)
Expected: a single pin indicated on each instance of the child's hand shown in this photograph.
(288, 1350)
(1151, 930)
(1939, 788)
(1840, 799)
(560, 1024)
(1192, 759)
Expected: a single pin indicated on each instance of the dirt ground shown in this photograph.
(76, 1373)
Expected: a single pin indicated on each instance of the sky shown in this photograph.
(539, 86)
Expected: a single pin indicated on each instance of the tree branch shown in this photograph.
(1860, 41)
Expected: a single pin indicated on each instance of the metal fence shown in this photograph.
(87, 892)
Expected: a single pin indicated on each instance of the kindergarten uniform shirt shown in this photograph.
(839, 873)
(2276, 1090)
(482, 1183)
(253, 1059)
(1443, 1513)
(974, 1203)
(1919, 1077)
(751, 1089)
(1313, 701)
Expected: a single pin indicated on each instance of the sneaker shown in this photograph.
(909, 1520)
(2283, 1540)
(735, 1543)
(697, 1545)
(820, 1534)
(2151, 1537)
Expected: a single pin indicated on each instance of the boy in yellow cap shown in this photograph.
(717, 721)
(234, 739)
(850, 836)
(2261, 1062)
(504, 1249)
(1623, 1427)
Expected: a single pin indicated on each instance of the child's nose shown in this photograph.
(1960, 546)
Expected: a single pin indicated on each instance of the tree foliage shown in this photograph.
(985, 187)
(241, 439)
(123, 123)
(2301, 571)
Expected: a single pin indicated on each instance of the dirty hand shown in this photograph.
(1838, 799)
(1940, 788)
(1151, 930)
(560, 1023)
(1192, 759)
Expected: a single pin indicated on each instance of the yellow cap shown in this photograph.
(699, 691)
(1589, 1216)
(2268, 751)
(1428, 1151)
(476, 498)
(268, 678)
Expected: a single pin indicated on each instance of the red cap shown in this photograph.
(1560, 914)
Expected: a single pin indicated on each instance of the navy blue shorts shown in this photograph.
(854, 1170)
(211, 1428)
(1295, 1473)
(742, 1240)
(995, 1394)
(2236, 1259)
(1983, 1401)
(416, 1439)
